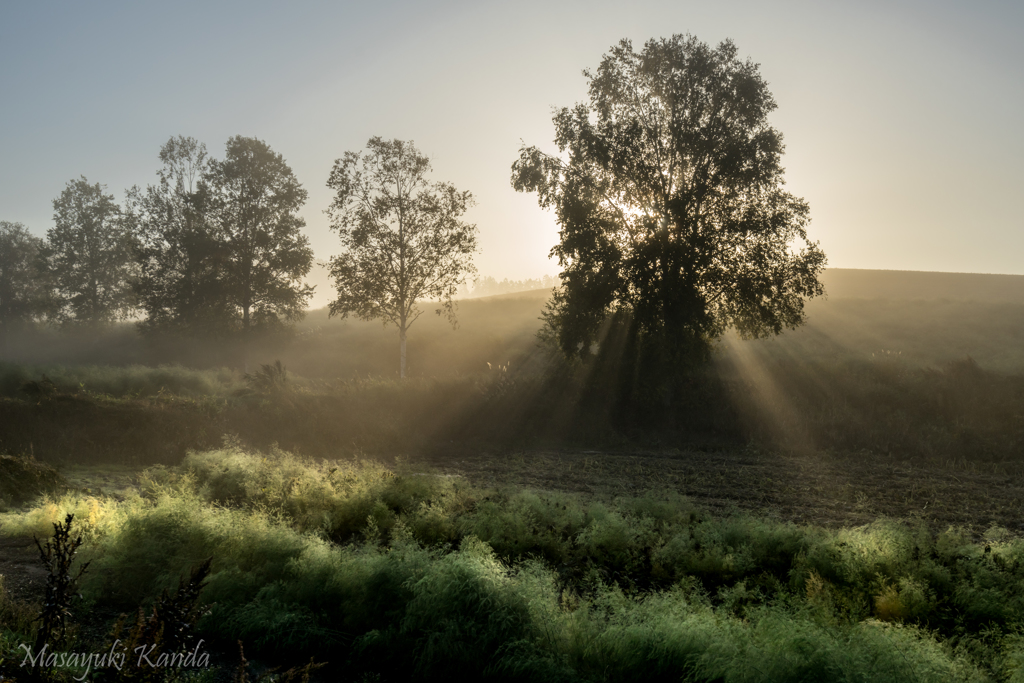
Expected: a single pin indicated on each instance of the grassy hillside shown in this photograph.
(931, 378)
(928, 318)
(849, 283)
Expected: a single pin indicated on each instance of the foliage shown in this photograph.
(933, 416)
(670, 204)
(23, 478)
(296, 674)
(432, 576)
(827, 385)
(17, 620)
(120, 381)
(168, 631)
(403, 237)
(23, 295)
(270, 378)
(90, 257)
(255, 204)
(488, 286)
(183, 259)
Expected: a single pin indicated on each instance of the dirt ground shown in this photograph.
(24, 578)
(829, 490)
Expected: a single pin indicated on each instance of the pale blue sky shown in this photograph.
(902, 120)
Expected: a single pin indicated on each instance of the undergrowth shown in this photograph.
(956, 413)
(16, 380)
(407, 576)
(22, 479)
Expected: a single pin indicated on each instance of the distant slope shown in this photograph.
(849, 283)
(840, 283)
(852, 283)
(927, 318)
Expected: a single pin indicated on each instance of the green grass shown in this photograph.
(957, 412)
(22, 479)
(119, 382)
(427, 577)
(920, 365)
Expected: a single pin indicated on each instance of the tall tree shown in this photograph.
(670, 201)
(182, 256)
(403, 237)
(23, 291)
(90, 256)
(255, 202)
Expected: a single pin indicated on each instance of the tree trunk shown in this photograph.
(245, 339)
(401, 337)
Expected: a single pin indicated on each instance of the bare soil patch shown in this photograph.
(824, 489)
(24, 578)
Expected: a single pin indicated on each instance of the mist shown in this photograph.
(518, 343)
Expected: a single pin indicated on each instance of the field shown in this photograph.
(839, 503)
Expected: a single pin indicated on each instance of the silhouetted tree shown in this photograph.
(90, 256)
(254, 205)
(403, 237)
(23, 290)
(182, 280)
(669, 197)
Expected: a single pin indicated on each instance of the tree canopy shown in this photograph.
(254, 205)
(403, 237)
(90, 254)
(222, 247)
(668, 192)
(23, 291)
(182, 255)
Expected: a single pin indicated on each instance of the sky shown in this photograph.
(902, 120)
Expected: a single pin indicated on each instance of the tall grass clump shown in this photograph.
(339, 499)
(679, 634)
(23, 478)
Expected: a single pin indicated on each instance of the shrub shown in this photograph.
(23, 478)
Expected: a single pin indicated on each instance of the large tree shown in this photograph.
(668, 191)
(23, 291)
(90, 256)
(182, 255)
(255, 203)
(403, 237)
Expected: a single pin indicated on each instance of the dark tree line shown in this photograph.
(488, 286)
(214, 248)
(221, 247)
(23, 290)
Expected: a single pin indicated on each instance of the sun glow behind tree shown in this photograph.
(670, 203)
